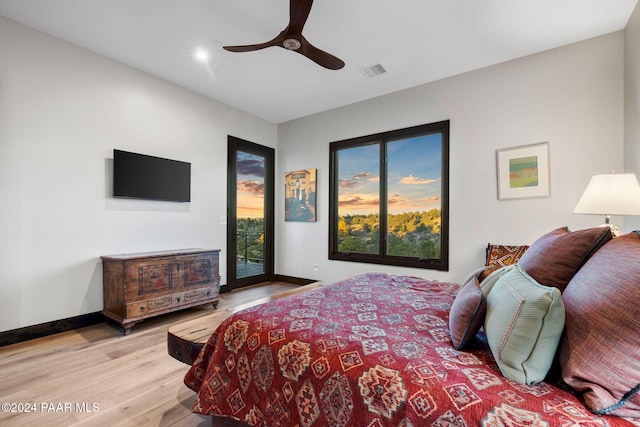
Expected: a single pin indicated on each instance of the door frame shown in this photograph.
(234, 145)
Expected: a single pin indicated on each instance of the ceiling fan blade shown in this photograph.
(318, 56)
(298, 13)
(247, 48)
(277, 41)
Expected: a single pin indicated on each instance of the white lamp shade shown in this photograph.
(611, 194)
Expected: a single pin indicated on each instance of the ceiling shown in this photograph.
(417, 41)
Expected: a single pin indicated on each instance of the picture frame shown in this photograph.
(523, 172)
(300, 195)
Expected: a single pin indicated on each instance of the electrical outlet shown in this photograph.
(315, 267)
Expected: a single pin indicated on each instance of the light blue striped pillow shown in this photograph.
(524, 322)
(492, 279)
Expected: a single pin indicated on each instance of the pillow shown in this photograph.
(554, 258)
(499, 256)
(523, 323)
(467, 313)
(487, 283)
(600, 351)
(503, 255)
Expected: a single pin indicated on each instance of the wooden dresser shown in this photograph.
(143, 285)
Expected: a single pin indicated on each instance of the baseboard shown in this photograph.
(49, 328)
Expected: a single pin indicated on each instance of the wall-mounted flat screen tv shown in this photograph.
(140, 176)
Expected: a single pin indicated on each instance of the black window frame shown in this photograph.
(441, 263)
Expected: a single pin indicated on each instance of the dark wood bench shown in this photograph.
(185, 340)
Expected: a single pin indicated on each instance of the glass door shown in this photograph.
(250, 213)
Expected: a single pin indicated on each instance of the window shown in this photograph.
(389, 198)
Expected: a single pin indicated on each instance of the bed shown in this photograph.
(378, 349)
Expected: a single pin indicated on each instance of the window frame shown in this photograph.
(382, 257)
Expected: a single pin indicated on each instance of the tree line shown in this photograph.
(414, 234)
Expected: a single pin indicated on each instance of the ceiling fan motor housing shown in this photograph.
(291, 44)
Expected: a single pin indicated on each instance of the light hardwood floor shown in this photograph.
(95, 376)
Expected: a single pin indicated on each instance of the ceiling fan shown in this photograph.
(291, 38)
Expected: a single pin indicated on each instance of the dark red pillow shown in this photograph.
(467, 313)
(600, 351)
(554, 258)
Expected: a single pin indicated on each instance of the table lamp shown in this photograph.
(610, 194)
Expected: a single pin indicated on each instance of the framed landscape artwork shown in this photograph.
(300, 195)
(523, 172)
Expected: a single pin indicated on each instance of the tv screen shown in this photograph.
(147, 177)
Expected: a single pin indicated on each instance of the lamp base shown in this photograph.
(614, 230)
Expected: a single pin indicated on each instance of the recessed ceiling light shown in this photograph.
(201, 55)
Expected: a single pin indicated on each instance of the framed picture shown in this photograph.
(523, 172)
(300, 195)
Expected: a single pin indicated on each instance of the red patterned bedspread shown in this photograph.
(372, 350)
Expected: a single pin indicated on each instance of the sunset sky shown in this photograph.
(414, 176)
(250, 186)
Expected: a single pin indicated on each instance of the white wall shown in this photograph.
(632, 103)
(64, 109)
(571, 97)
(62, 112)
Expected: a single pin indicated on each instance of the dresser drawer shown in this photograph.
(170, 302)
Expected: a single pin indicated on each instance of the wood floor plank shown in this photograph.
(95, 376)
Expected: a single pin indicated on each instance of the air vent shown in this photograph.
(373, 71)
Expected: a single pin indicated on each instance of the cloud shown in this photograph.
(395, 199)
(253, 187)
(357, 179)
(366, 176)
(359, 201)
(350, 183)
(412, 180)
(252, 167)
